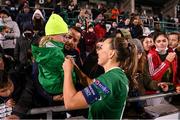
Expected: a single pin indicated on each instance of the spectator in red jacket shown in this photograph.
(100, 30)
(90, 39)
(162, 61)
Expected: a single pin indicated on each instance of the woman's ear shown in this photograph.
(112, 54)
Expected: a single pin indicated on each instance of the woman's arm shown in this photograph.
(15, 33)
(72, 99)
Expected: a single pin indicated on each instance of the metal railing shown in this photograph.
(145, 97)
(165, 26)
(43, 8)
(47, 110)
(50, 110)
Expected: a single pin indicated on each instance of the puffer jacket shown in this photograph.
(11, 34)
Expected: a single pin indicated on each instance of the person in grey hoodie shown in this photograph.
(10, 32)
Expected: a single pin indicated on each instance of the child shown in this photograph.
(15, 94)
(49, 56)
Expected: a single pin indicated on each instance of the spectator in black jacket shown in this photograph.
(22, 52)
(136, 27)
(24, 17)
(15, 94)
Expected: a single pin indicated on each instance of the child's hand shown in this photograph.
(58, 97)
(10, 103)
(12, 117)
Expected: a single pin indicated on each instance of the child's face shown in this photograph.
(7, 90)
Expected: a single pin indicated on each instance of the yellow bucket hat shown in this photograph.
(56, 25)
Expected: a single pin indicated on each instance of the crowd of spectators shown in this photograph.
(34, 44)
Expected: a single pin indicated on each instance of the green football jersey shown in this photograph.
(107, 95)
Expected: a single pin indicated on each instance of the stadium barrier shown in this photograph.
(49, 110)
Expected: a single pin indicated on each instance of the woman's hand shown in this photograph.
(163, 86)
(68, 64)
(170, 57)
(10, 103)
(178, 89)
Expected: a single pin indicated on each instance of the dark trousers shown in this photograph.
(9, 51)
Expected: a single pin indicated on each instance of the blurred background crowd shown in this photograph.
(152, 26)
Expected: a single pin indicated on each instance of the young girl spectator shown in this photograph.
(15, 92)
(136, 27)
(162, 61)
(141, 83)
(147, 43)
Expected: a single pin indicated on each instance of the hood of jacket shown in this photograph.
(38, 12)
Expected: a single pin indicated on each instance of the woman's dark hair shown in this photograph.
(3, 79)
(143, 38)
(127, 56)
(157, 34)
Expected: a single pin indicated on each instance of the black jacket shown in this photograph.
(22, 51)
(22, 94)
